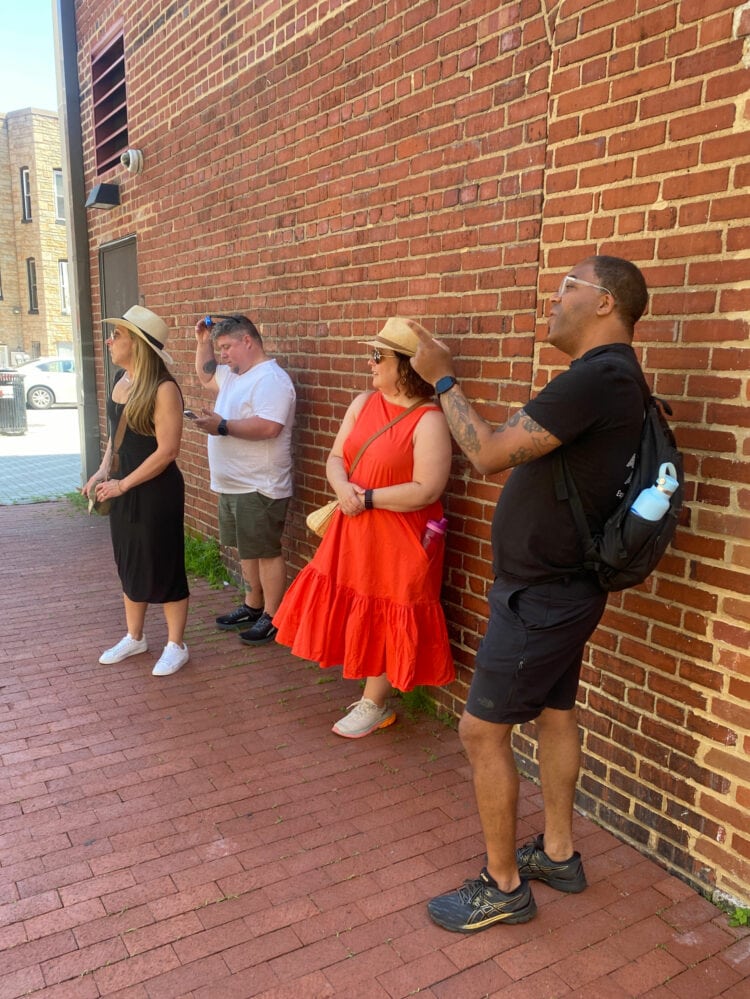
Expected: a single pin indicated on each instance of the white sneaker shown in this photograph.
(364, 717)
(172, 658)
(127, 646)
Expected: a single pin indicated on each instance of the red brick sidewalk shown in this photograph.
(206, 835)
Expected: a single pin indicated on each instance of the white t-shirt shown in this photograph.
(241, 466)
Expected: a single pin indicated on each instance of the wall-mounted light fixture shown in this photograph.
(104, 196)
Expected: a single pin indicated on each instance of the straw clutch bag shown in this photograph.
(319, 519)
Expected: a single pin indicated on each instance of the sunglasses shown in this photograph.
(570, 280)
(377, 355)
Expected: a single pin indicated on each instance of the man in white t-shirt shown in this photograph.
(249, 456)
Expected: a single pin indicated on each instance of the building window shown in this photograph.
(110, 104)
(59, 196)
(31, 278)
(62, 269)
(25, 195)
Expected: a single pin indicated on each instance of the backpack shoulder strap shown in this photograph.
(566, 490)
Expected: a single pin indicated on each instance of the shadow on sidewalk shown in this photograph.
(206, 835)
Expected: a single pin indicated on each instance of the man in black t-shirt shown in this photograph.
(543, 609)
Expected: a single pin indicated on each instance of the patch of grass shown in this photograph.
(739, 916)
(418, 702)
(203, 558)
(77, 500)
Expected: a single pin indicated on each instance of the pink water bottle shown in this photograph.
(433, 532)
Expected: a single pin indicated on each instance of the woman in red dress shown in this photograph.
(370, 598)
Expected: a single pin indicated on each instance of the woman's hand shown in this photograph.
(108, 490)
(351, 499)
(93, 482)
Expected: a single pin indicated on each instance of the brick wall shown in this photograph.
(325, 165)
(31, 138)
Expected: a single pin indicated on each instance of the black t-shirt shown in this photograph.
(596, 409)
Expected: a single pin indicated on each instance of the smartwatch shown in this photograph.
(222, 430)
(445, 383)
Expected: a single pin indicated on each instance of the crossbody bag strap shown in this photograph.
(120, 432)
(114, 459)
(382, 430)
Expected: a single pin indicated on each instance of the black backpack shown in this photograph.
(629, 548)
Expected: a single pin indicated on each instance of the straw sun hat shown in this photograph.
(398, 334)
(148, 327)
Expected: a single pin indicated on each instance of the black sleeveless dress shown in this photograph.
(147, 524)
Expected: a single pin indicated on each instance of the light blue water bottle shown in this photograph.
(653, 502)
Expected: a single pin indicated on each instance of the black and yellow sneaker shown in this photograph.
(479, 903)
(535, 865)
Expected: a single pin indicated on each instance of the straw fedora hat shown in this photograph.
(398, 334)
(148, 327)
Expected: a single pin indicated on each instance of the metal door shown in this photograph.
(118, 276)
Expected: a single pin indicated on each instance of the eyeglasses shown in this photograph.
(377, 355)
(569, 279)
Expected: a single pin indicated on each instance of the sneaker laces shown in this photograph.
(362, 708)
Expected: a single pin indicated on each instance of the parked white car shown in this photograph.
(49, 380)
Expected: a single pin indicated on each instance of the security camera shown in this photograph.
(132, 160)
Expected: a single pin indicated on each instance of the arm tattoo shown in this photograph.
(458, 413)
(540, 437)
(209, 367)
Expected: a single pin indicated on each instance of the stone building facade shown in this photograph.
(35, 307)
(326, 164)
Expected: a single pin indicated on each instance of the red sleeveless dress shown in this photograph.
(370, 598)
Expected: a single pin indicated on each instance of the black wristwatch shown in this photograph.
(445, 383)
(222, 430)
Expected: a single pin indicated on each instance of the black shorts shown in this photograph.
(530, 657)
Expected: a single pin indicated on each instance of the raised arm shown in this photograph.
(518, 440)
(205, 358)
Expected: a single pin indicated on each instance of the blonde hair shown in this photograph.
(148, 372)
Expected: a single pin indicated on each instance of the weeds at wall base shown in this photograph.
(418, 702)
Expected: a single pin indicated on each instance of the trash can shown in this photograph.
(12, 404)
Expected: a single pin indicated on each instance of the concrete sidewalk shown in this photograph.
(206, 835)
(45, 461)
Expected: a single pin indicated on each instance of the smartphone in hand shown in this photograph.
(190, 414)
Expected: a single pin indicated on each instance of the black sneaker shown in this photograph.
(261, 632)
(479, 904)
(534, 864)
(240, 615)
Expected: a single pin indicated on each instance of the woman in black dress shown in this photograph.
(147, 490)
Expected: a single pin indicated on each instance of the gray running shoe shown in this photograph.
(534, 864)
(478, 904)
(364, 717)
